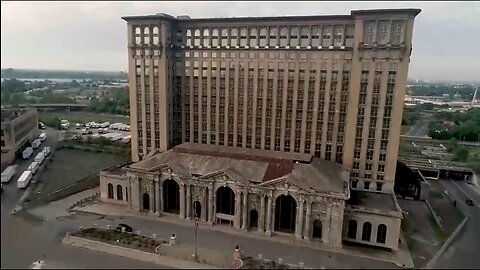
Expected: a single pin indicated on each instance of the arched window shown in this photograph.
(352, 229)
(283, 36)
(110, 191)
(263, 37)
(215, 37)
(196, 37)
(233, 37)
(206, 37)
(253, 37)
(304, 37)
(138, 33)
(366, 231)
(382, 233)
(146, 35)
(316, 36)
(273, 37)
(155, 36)
(224, 37)
(294, 36)
(243, 37)
(119, 193)
(189, 37)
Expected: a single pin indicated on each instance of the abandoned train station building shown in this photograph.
(255, 190)
(276, 125)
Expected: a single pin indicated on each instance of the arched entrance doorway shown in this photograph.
(285, 214)
(317, 229)
(253, 219)
(171, 196)
(225, 201)
(146, 201)
(197, 209)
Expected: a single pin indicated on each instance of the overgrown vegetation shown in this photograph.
(462, 126)
(119, 238)
(116, 103)
(98, 145)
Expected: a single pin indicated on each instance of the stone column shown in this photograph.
(268, 229)
(244, 210)
(152, 196)
(189, 201)
(160, 193)
(299, 222)
(204, 205)
(238, 212)
(157, 197)
(210, 205)
(182, 201)
(261, 219)
(308, 221)
(136, 194)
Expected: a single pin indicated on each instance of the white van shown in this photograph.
(33, 167)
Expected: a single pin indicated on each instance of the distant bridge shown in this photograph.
(67, 106)
(409, 139)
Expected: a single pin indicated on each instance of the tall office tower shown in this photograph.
(331, 86)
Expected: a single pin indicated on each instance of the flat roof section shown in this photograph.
(374, 200)
(241, 153)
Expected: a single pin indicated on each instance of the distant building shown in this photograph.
(19, 129)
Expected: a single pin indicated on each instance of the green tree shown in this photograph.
(452, 144)
(461, 154)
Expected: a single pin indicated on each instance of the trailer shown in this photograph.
(39, 158)
(36, 143)
(127, 139)
(8, 173)
(43, 136)
(27, 152)
(33, 167)
(24, 179)
(46, 151)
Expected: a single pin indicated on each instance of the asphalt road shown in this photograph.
(420, 128)
(25, 240)
(463, 251)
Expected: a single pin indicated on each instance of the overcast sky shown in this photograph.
(92, 36)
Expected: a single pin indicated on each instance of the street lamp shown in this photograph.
(195, 255)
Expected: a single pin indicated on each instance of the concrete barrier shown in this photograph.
(442, 249)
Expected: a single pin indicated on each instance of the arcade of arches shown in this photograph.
(272, 207)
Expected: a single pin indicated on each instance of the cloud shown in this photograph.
(91, 35)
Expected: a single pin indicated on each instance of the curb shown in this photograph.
(430, 264)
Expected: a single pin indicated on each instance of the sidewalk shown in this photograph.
(219, 238)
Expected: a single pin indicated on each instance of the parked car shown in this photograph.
(127, 228)
(469, 202)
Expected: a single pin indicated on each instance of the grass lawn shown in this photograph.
(84, 117)
(70, 166)
(405, 129)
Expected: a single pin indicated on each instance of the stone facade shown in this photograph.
(307, 201)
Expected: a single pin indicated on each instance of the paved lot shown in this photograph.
(223, 243)
(420, 128)
(25, 240)
(421, 239)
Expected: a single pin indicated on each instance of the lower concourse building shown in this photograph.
(276, 193)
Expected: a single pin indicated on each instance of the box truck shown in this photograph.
(39, 158)
(8, 173)
(36, 143)
(24, 179)
(43, 136)
(27, 152)
(33, 167)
